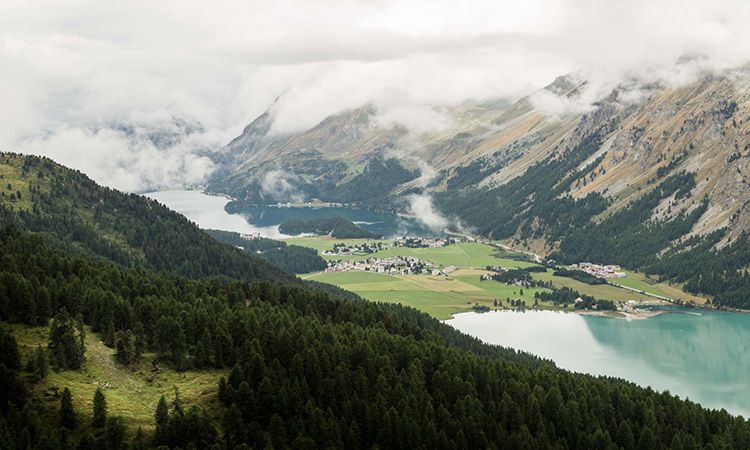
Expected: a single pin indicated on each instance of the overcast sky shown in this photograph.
(69, 70)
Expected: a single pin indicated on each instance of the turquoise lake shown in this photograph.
(695, 354)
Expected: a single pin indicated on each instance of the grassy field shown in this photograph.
(643, 283)
(131, 393)
(465, 254)
(442, 296)
(601, 291)
(437, 296)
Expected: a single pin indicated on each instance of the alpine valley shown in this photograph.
(125, 325)
(651, 176)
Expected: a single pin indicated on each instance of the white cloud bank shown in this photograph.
(421, 207)
(71, 68)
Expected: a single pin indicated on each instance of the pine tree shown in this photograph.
(39, 364)
(127, 350)
(162, 420)
(139, 440)
(109, 335)
(100, 409)
(9, 354)
(67, 413)
(66, 349)
(177, 408)
(114, 433)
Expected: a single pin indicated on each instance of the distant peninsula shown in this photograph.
(337, 227)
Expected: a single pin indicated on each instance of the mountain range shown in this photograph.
(643, 133)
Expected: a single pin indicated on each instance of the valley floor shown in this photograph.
(442, 296)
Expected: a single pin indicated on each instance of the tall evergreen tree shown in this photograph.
(38, 364)
(9, 354)
(67, 413)
(114, 433)
(127, 349)
(161, 417)
(99, 418)
(65, 345)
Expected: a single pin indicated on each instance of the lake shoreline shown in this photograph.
(622, 315)
(679, 349)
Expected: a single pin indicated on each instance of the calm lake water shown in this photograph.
(701, 355)
(208, 212)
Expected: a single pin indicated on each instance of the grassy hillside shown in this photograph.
(131, 392)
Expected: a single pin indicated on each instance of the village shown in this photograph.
(341, 249)
(347, 250)
(609, 271)
(423, 242)
(394, 265)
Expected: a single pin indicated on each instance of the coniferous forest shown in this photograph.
(305, 367)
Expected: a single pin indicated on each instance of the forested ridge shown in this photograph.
(77, 214)
(337, 227)
(535, 204)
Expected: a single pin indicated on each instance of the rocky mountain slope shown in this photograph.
(645, 132)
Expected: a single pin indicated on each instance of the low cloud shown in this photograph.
(125, 161)
(279, 185)
(69, 70)
(421, 207)
(420, 204)
(397, 108)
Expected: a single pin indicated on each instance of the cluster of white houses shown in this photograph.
(610, 271)
(346, 250)
(395, 265)
(423, 242)
(341, 249)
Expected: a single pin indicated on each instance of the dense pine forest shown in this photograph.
(305, 367)
(290, 258)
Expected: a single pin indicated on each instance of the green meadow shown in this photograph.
(642, 282)
(441, 296)
(130, 392)
(438, 296)
(465, 254)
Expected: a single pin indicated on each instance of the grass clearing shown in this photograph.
(132, 393)
(13, 181)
